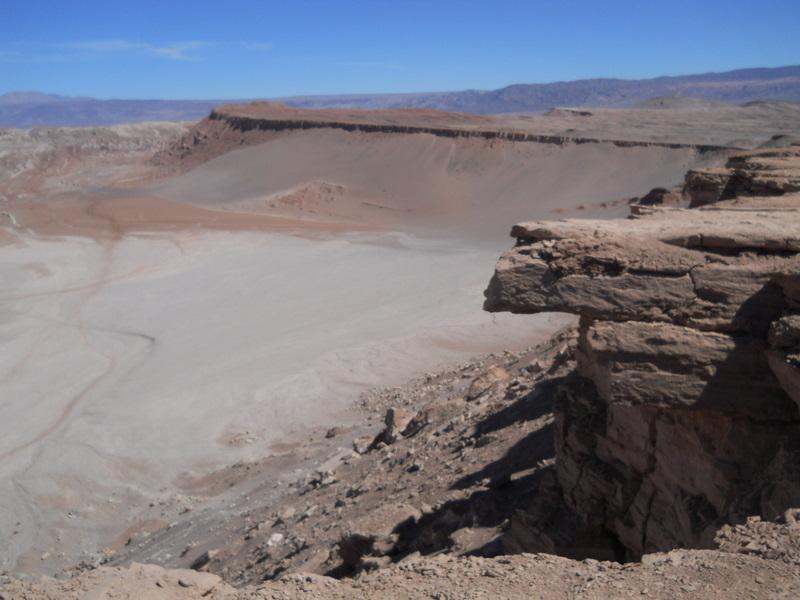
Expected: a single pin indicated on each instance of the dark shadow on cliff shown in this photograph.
(743, 384)
(533, 405)
(744, 399)
(510, 483)
(506, 484)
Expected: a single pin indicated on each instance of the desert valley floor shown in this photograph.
(179, 298)
(121, 359)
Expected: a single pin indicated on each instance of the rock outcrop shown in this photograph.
(765, 172)
(660, 197)
(682, 414)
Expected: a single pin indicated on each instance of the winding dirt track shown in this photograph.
(108, 220)
(76, 315)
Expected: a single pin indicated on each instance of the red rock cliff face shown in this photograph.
(683, 410)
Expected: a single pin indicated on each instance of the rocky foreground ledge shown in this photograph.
(682, 414)
(677, 574)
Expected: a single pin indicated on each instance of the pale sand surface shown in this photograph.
(129, 363)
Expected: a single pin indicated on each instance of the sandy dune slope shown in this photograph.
(422, 181)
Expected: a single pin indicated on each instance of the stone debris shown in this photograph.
(487, 382)
(679, 574)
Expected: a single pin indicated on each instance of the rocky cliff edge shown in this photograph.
(682, 413)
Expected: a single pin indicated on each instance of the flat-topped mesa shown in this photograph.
(233, 126)
(683, 410)
(271, 116)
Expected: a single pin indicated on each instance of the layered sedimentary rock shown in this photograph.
(269, 116)
(764, 172)
(683, 412)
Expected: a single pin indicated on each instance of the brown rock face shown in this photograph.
(660, 197)
(682, 414)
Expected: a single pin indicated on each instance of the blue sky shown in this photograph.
(251, 48)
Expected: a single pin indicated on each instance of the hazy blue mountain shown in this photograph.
(28, 109)
(31, 98)
(744, 85)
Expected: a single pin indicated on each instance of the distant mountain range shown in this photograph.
(31, 109)
(736, 87)
(28, 109)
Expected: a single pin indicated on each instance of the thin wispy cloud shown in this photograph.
(177, 51)
(193, 50)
